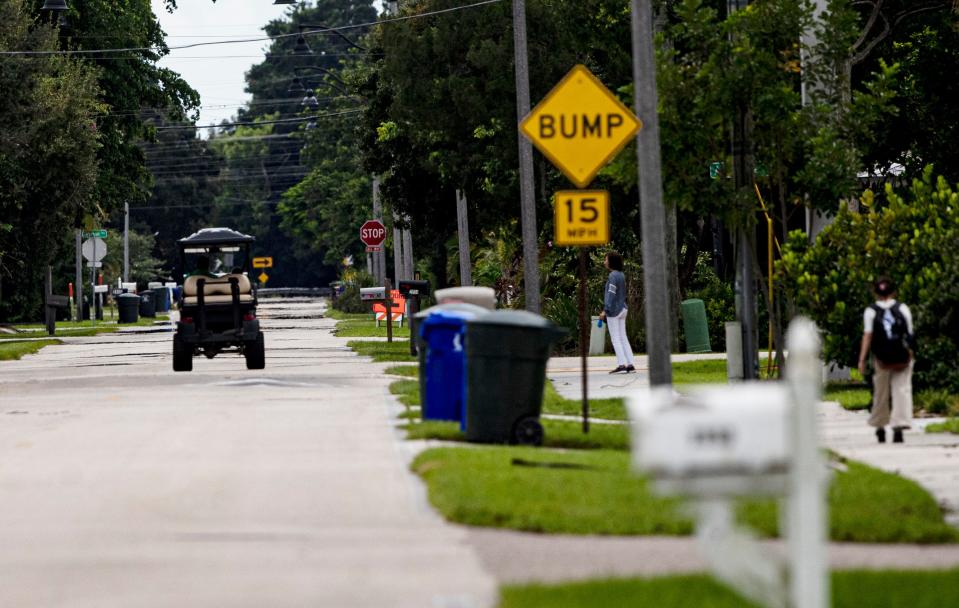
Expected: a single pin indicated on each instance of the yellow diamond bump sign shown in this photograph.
(580, 125)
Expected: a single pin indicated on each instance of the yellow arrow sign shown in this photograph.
(581, 217)
(263, 262)
(580, 126)
(263, 277)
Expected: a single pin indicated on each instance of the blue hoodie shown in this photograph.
(614, 300)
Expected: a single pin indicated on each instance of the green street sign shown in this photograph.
(95, 234)
(715, 169)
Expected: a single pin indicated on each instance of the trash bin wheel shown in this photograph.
(528, 431)
(255, 353)
(182, 355)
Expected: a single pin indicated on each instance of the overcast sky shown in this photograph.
(217, 71)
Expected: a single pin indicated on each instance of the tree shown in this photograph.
(925, 126)
(129, 83)
(301, 204)
(48, 149)
(910, 238)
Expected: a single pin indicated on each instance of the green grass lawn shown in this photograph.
(587, 492)
(408, 391)
(949, 426)
(366, 328)
(850, 589)
(557, 434)
(553, 403)
(383, 351)
(702, 371)
(595, 492)
(406, 371)
(79, 329)
(14, 350)
(339, 315)
(850, 396)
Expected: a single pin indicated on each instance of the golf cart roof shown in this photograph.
(215, 236)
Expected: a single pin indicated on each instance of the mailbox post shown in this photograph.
(381, 294)
(716, 444)
(413, 291)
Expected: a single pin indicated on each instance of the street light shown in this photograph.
(56, 6)
(296, 87)
(310, 101)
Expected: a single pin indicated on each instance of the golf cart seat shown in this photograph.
(216, 290)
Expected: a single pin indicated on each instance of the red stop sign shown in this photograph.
(373, 233)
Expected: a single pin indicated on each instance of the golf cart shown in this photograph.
(218, 300)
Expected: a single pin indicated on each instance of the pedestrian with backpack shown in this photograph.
(888, 335)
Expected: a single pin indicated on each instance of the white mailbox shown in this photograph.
(713, 441)
(372, 293)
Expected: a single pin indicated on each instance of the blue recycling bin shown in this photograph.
(443, 333)
(161, 296)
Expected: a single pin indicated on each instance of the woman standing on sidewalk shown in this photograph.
(614, 312)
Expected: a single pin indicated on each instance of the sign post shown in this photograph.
(581, 219)
(94, 249)
(580, 126)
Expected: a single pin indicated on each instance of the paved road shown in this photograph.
(124, 484)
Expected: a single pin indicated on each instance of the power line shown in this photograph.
(262, 122)
(206, 205)
(258, 39)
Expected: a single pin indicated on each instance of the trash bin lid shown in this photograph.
(453, 306)
(514, 318)
(128, 296)
(481, 296)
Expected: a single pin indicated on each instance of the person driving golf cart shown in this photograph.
(217, 309)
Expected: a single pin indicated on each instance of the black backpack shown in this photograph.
(892, 346)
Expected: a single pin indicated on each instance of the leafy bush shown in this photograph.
(912, 239)
(349, 301)
(934, 401)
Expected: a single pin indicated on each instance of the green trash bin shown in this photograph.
(695, 326)
(416, 323)
(506, 355)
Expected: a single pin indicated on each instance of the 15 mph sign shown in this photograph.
(373, 233)
(580, 126)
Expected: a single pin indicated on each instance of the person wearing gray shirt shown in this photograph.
(614, 313)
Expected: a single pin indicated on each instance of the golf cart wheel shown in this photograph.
(182, 355)
(528, 431)
(255, 353)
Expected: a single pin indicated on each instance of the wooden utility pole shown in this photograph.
(745, 278)
(379, 257)
(653, 216)
(399, 269)
(463, 234)
(408, 266)
(526, 186)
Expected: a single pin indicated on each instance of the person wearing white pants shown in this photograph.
(614, 313)
(888, 335)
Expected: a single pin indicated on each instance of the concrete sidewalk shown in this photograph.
(566, 374)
